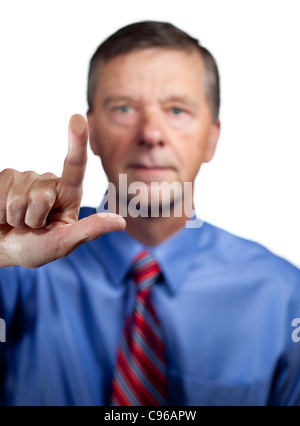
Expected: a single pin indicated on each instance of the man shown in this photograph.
(162, 313)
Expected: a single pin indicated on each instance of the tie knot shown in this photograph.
(145, 270)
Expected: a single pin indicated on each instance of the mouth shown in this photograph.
(142, 167)
(149, 171)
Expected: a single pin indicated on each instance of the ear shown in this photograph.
(90, 119)
(212, 141)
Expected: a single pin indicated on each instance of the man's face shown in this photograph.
(151, 119)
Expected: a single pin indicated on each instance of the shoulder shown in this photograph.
(244, 256)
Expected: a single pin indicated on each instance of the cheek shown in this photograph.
(191, 154)
(111, 147)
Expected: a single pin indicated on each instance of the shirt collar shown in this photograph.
(175, 255)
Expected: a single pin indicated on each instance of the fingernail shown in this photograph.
(78, 123)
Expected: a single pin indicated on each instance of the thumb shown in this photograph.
(89, 229)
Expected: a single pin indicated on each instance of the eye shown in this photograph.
(123, 114)
(177, 110)
(124, 108)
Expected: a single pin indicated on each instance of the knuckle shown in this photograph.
(49, 197)
(7, 175)
(29, 175)
(8, 171)
(16, 204)
(42, 197)
(34, 194)
(73, 161)
(33, 222)
(49, 175)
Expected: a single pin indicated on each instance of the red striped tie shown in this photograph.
(140, 372)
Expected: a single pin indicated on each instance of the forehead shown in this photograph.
(153, 71)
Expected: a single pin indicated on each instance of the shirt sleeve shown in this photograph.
(9, 291)
(286, 384)
(16, 284)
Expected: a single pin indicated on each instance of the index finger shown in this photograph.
(76, 159)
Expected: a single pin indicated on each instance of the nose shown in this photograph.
(151, 131)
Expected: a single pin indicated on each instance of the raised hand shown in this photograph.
(39, 213)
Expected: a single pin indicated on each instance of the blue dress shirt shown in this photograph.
(226, 306)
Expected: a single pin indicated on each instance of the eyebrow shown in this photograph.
(181, 99)
(111, 99)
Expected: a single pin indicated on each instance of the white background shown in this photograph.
(251, 187)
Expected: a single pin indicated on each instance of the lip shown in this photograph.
(148, 168)
(153, 168)
(149, 173)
